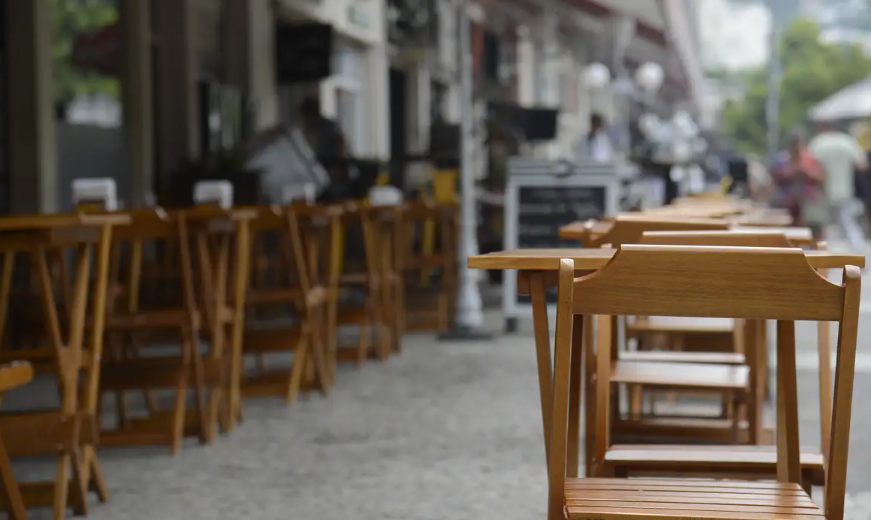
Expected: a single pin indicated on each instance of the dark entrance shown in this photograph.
(398, 126)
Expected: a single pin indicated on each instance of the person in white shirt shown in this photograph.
(840, 156)
(598, 142)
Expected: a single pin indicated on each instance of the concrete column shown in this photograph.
(248, 42)
(137, 97)
(178, 136)
(32, 137)
(236, 42)
(526, 67)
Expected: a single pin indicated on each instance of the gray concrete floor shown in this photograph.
(442, 431)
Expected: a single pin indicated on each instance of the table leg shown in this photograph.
(333, 275)
(538, 292)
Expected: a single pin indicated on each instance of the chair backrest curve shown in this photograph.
(727, 282)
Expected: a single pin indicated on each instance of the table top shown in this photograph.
(583, 230)
(591, 259)
(60, 220)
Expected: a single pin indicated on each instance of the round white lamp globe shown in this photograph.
(597, 75)
(650, 76)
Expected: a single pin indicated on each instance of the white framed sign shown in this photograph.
(542, 196)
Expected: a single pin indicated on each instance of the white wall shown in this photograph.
(361, 27)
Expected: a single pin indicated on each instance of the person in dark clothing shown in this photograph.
(326, 140)
(599, 146)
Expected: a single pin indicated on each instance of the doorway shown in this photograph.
(398, 126)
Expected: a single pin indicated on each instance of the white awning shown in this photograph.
(853, 102)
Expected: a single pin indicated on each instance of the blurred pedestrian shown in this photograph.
(327, 141)
(840, 156)
(800, 178)
(599, 145)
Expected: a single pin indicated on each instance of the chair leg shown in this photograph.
(78, 483)
(300, 360)
(61, 488)
(96, 480)
(17, 511)
(179, 412)
(399, 316)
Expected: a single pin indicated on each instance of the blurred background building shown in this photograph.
(136, 90)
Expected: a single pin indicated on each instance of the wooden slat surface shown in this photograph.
(695, 375)
(655, 499)
(672, 356)
(592, 259)
(714, 455)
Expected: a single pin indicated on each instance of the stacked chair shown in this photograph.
(682, 310)
(739, 283)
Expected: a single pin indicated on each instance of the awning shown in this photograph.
(853, 102)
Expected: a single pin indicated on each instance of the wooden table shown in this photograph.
(69, 432)
(537, 271)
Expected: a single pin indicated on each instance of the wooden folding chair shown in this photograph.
(59, 345)
(12, 376)
(731, 379)
(361, 277)
(223, 263)
(749, 461)
(291, 286)
(737, 283)
(157, 303)
(421, 260)
(387, 224)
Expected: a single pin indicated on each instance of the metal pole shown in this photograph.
(469, 317)
(772, 102)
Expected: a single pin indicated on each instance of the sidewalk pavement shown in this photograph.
(441, 431)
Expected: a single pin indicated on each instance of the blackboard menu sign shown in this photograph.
(542, 210)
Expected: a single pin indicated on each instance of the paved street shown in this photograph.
(443, 431)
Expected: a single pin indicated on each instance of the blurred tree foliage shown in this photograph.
(812, 71)
(70, 19)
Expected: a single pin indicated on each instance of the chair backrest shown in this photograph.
(629, 229)
(152, 257)
(725, 282)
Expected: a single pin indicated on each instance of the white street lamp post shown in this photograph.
(469, 314)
